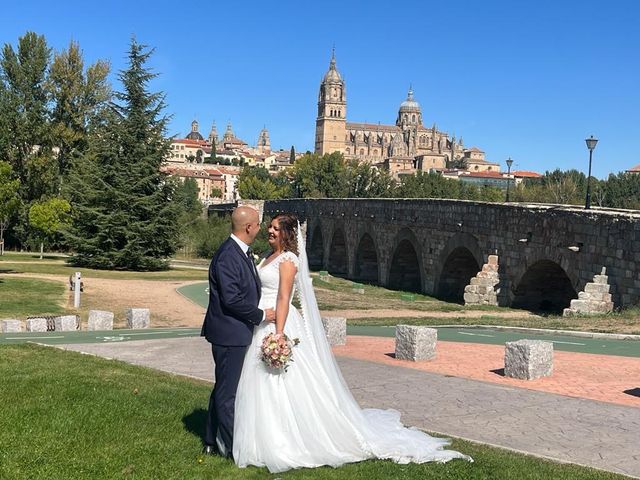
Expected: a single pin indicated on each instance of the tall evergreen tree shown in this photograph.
(292, 155)
(123, 213)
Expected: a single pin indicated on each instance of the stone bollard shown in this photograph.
(415, 343)
(138, 318)
(66, 323)
(11, 325)
(528, 359)
(100, 320)
(36, 325)
(336, 330)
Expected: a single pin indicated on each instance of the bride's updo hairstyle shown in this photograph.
(288, 223)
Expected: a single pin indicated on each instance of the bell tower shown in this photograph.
(331, 124)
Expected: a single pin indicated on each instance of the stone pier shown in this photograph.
(594, 299)
(483, 288)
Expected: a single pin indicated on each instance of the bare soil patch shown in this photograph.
(168, 307)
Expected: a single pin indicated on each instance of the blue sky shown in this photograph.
(529, 80)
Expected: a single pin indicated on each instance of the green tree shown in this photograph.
(565, 187)
(124, 216)
(23, 75)
(46, 109)
(319, 176)
(9, 200)
(460, 163)
(212, 158)
(186, 197)
(79, 96)
(428, 185)
(255, 183)
(25, 132)
(622, 190)
(292, 155)
(48, 218)
(366, 181)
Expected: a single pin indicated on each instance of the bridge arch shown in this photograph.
(544, 287)
(366, 260)
(406, 270)
(315, 249)
(338, 260)
(460, 260)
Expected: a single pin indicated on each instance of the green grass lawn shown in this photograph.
(612, 324)
(30, 257)
(72, 416)
(20, 297)
(59, 267)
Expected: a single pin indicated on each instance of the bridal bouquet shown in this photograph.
(277, 351)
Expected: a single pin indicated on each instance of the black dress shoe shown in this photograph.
(210, 450)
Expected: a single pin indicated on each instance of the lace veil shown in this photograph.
(316, 334)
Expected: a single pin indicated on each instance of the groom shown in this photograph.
(234, 292)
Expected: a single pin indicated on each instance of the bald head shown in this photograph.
(245, 224)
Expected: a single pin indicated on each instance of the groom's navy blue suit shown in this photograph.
(234, 293)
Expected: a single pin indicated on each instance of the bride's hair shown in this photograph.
(288, 223)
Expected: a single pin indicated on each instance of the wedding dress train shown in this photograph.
(306, 416)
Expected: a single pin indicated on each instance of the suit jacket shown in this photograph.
(234, 293)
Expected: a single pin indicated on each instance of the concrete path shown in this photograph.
(586, 432)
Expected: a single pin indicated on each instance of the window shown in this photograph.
(362, 151)
(348, 150)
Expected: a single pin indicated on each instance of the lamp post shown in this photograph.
(591, 144)
(509, 163)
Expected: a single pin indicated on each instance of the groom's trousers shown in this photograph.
(228, 367)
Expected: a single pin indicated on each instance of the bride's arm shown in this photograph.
(285, 288)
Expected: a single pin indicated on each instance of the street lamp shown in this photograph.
(591, 144)
(509, 163)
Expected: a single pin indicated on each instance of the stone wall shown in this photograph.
(562, 247)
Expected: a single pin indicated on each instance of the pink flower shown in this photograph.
(277, 353)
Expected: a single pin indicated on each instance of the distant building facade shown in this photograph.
(403, 148)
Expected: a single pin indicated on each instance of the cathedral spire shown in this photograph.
(332, 63)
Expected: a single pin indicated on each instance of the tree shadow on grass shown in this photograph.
(195, 422)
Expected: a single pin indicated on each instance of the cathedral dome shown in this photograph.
(194, 136)
(410, 105)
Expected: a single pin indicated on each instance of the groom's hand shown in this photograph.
(270, 315)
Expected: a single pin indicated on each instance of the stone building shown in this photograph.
(264, 143)
(405, 147)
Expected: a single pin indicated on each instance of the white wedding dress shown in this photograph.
(306, 416)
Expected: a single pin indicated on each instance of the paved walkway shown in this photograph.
(489, 409)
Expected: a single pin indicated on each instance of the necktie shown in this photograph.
(253, 264)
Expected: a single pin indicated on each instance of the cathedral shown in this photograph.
(406, 147)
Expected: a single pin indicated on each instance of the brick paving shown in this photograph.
(578, 415)
(595, 377)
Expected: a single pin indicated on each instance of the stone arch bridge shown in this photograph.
(547, 253)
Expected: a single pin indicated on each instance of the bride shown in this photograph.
(306, 416)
